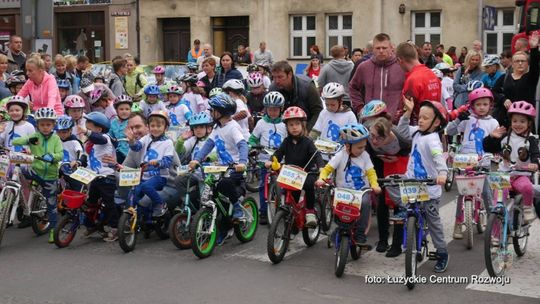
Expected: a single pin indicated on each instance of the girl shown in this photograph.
(17, 126)
(74, 106)
(122, 105)
(235, 89)
(179, 112)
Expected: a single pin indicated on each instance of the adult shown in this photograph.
(80, 43)
(452, 53)
(378, 78)
(4, 91)
(116, 81)
(421, 84)
(347, 53)
(314, 51)
(208, 52)
(313, 70)
(228, 71)
(262, 56)
(445, 57)
(16, 57)
(506, 59)
(298, 90)
(242, 56)
(470, 70)
(522, 45)
(337, 70)
(135, 80)
(209, 79)
(195, 52)
(477, 46)
(426, 55)
(82, 69)
(86, 89)
(356, 55)
(368, 52)
(462, 55)
(520, 84)
(41, 87)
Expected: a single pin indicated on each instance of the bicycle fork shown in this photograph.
(16, 188)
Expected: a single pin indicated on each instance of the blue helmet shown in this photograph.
(152, 90)
(373, 108)
(63, 84)
(353, 133)
(200, 119)
(100, 120)
(64, 122)
(223, 103)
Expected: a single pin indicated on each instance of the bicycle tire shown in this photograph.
(40, 222)
(244, 231)
(488, 241)
(519, 247)
(341, 256)
(179, 231)
(273, 200)
(205, 249)
(127, 239)
(468, 223)
(70, 233)
(411, 263)
(4, 213)
(282, 218)
(326, 209)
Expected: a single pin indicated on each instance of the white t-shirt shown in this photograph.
(96, 155)
(147, 109)
(270, 135)
(189, 146)
(447, 84)
(244, 123)
(196, 102)
(474, 131)
(354, 177)
(516, 142)
(226, 139)
(82, 124)
(178, 113)
(24, 128)
(156, 150)
(72, 148)
(329, 123)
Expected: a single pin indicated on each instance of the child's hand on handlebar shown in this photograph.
(240, 167)
(533, 167)
(268, 164)
(193, 165)
(376, 190)
(153, 162)
(319, 183)
(47, 157)
(441, 179)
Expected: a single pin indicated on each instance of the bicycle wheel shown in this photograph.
(5, 206)
(326, 211)
(278, 238)
(65, 231)
(161, 226)
(274, 201)
(410, 252)
(355, 252)
(179, 231)
(127, 238)
(311, 235)
(521, 233)
(39, 219)
(252, 177)
(203, 240)
(341, 256)
(468, 222)
(245, 230)
(494, 249)
(482, 219)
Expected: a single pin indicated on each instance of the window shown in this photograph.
(302, 35)
(500, 39)
(426, 26)
(338, 31)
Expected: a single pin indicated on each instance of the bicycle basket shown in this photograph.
(73, 199)
(346, 213)
(470, 185)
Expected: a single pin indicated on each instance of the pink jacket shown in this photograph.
(44, 95)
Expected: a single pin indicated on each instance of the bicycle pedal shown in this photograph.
(364, 247)
(396, 221)
(432, 255)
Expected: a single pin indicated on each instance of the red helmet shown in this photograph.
(439, 109)
(294, 113)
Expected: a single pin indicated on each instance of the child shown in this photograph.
(299, 150)
(61, 72)
(99, 145)
(99, 101)
(334, 116)
(474, 128)
(152, 102)
(46, 145)
(235, 89)
(74, 106)
(158, 152)
(256, 93)
(447, 82)
(427, 161)
(232, 148)
(122, 105)
(519, 147)
(371, 111)
(17, 127)
(269, 132)
(192, 96)
(72, 149)
(179, 113)
(353, 170)
(159, 73)
(63, 87)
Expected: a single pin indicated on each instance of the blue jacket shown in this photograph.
(489, 81)
(230, 74)
(461, 95)
(117, 132)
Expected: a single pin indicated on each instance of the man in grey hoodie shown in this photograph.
(337, 70)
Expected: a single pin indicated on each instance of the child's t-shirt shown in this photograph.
(351, 175)
(226, 139)
(474, 131)
(179, 113)
(156, 149)
(244, 123)
(22, 129)
(72, 148)
(193, 146)
(147, 108)
(196, 102)
(96, 154)
(329, 123)
(270, 135)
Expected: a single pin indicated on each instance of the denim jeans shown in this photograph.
(150, 188)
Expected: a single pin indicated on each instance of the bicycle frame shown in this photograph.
(503, 211)
(14, 184)
(413, 209)
(296, 208)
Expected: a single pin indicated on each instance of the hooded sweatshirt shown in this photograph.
(337, 70)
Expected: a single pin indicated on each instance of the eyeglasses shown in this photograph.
(376, 137)
(520, 61)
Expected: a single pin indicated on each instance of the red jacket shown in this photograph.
(421, 84)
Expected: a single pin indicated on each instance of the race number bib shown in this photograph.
(347, 197)
(4, 166)
(129, 177)
(465, 160)
(498, 181)
(83, 175)
(417, 192)
(292, 177)
(215, 169)
(20, 158)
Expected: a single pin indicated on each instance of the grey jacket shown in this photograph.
(12, 64)
(337, 70)
(116, 84)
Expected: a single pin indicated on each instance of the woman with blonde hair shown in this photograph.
(471, 70)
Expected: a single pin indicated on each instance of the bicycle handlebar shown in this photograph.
(395, 180)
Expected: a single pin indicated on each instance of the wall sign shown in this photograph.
(121, 33)
(10, 3)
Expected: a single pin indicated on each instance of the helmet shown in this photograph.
(474, 84)
(87, 85)
(17, 73)
(333, 90)
(158, 70)
(255, 80)
(14, 80)
(252, 68)
(439, 109)
(174, 89)
(491, 60)
(45, 113)
(522, 107)
(64, 122)
(373, 108)
(161, 114)
(99, 76)
(223, 103)
(74, 101)
(190, 78)
(96, 95)
(274, 99)
(123, 99)
(18, 100)
(353, 133)
(233, 84)
(192, 66)
(63, 84)
(214, 92)
(152, 90)
(437, 73)
(294, 113)
(200, 119)
(444, 67)
(100, 120)
(480, 93)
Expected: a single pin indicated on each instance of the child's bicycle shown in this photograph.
(272, 194)
(182, 216)
(505, 221)
(413, 193)
(214, 217)
(290, 218)
(452, 151)
(254, 167)
(138, 218)
(325, 194)
(347, 204)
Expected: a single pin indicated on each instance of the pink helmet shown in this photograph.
(477, 94)
(522, 107)
(158, 70)
(255, 80)
(74, 101)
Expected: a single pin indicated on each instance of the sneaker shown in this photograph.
(382, 246)
(112, 236)
(222, 236)
(399, 215)
(442, 262)
(311, 220)
(393, 252)
(238, 212)
(51, 236)
(263, 218)
(528, 215)
(458, 234)
(159, 210)
(26, 222)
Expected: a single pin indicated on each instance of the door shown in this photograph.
(81, 33)
(176, 39)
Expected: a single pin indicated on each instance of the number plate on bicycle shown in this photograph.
(215, 169)
(83, 175)
(4, 166)
(129, 177)
(325, 145)
(182, 170)
(417, 192)
(465, 160)
(20, 158)
(347, 197)
(292, 177)
(499, 181)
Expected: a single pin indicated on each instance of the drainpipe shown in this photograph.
(138, 29)
(480, 19)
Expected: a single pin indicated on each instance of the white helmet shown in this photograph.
(437, 73)
(233, 84)
(333, 90)
(45, 113)
(274, 99)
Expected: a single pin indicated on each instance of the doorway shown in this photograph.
(229, 33)
(82, 33)
(176, 39)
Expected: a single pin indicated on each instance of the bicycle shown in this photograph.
(254, 167)
(325, 194)
(290, 216)
(213, 217)
(413, 193)
(180, 222)
(452, 150)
